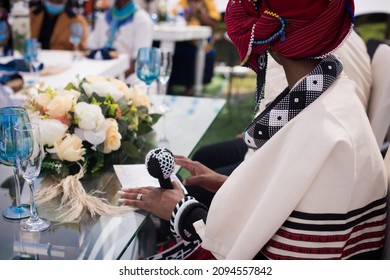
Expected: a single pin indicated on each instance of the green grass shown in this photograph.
(372, 30)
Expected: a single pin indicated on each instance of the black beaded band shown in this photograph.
(174, 213)
(190, 214)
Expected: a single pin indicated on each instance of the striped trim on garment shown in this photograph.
(330, 236)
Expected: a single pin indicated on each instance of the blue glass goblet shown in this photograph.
(9, 117)
(148, 65)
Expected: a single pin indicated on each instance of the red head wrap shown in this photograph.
(295, 29)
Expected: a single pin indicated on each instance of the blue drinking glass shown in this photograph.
(75, 37)
(148, 65)
(30, 53)
(9, 117)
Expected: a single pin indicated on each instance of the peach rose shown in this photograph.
(60, 106)
(138, 97)
(113, 137)
(69, 148)
(43, 99)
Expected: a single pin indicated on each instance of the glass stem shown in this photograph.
(33, 207)
(148, 90)
(163, 92)
(17, 185)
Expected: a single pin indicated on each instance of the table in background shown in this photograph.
(107, 237)
(169, 34)
(60, 69)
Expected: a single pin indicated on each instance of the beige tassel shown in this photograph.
(75, 201)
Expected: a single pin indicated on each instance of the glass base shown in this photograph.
(17, 212)
(34, 226)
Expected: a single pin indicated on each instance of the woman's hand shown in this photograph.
(158, 201)
(200, 174)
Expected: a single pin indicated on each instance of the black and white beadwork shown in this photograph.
(289, 104)
(160, 164)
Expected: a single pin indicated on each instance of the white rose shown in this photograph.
(89, 116)
(69, 148)
(113, 137)
(95, 137)
(51, 129)
(104, 86)
(71, 92)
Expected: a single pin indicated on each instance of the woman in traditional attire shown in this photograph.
(315, 185)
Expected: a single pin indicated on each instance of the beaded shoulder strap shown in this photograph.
(289, 104)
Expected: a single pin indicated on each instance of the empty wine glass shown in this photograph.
(9, 117)
(75, 37)
(148, 65)
(162, 107)
(165, 74)
(4, 36)
(30, 54)
(29, 156)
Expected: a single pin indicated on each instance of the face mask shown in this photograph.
(54, 9)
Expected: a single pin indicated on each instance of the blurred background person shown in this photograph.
(150, 6)
(50, 22)
(125, 27)
(5, 33)
(196, 12)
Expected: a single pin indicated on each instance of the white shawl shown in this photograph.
(325, 160)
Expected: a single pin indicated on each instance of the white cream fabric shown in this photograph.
(379, 105)
(323, 161)
(386, 249)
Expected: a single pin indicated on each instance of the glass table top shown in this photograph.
(105, 237)
(131, 235)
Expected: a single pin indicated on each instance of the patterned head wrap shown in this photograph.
(295, 29)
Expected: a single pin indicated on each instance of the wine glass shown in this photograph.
(163, 107)
(148, 65)
(163, 78)
(9, 117)
(30, 54)
(75, 37)
(4, 36)
(29, 155)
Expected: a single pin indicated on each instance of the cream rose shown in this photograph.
(138, 97)
(113, 137)
(43, 99)
(60, 106)
(89, 116)
(69, 148)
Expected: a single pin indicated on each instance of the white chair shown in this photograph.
(379, 103)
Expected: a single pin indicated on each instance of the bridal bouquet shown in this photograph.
(90, 121)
